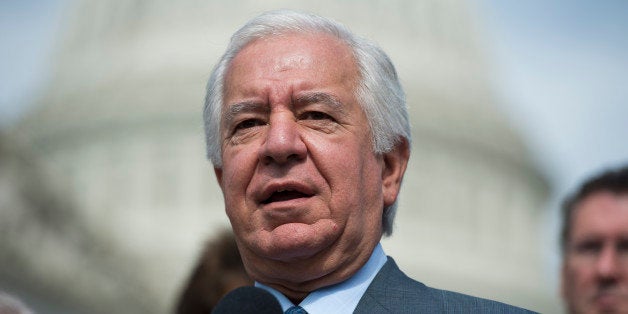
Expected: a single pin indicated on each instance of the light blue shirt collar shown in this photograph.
(339, 298)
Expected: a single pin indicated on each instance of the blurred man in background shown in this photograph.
(594, 244)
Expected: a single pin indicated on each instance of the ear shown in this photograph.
(218, 172)
(395, 164)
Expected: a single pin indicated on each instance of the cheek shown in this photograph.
(357, 179)
(346, 169)
(238, 167)
(571, 285)
(580, 277)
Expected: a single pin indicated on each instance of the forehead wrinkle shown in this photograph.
(246, 106)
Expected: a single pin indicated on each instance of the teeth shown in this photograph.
(284, 190)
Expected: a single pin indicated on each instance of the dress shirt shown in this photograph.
(339, 298)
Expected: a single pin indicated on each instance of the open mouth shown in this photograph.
(284, 195)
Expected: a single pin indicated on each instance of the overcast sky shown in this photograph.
(27, 29)
(563, 68)
(561, 64)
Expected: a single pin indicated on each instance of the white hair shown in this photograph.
(379, 92)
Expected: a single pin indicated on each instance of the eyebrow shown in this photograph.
(320, 97)
(245, 106)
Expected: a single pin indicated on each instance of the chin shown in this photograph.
(293, 241)
(291, 250)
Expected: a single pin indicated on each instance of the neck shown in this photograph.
(297, 279)
(298, 300)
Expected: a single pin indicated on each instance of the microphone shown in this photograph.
(248, 300)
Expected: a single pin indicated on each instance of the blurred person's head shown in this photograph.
(11, 305)
(307, 128)
(218, 270)
(594, 243)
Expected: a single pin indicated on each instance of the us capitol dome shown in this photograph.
(117, 140)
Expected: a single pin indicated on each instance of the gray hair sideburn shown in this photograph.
(379, 91)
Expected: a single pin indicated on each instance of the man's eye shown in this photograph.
(622, 246)
(588, 247)
(247, 124)
(315, 115)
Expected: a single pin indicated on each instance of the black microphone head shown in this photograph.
(248, 300)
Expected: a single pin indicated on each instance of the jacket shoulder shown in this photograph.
(393, 292)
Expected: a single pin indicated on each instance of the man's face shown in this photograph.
(595, 267)
(303, 189)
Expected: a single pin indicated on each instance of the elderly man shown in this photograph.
(595, 246)
(308, 132)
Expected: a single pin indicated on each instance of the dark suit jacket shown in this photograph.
(393, 292)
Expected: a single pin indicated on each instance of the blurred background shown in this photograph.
(106, 199)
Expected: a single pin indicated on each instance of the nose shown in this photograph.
(283, 141)
(608, 263)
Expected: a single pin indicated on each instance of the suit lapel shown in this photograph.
(393, 292)
(375, 298)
